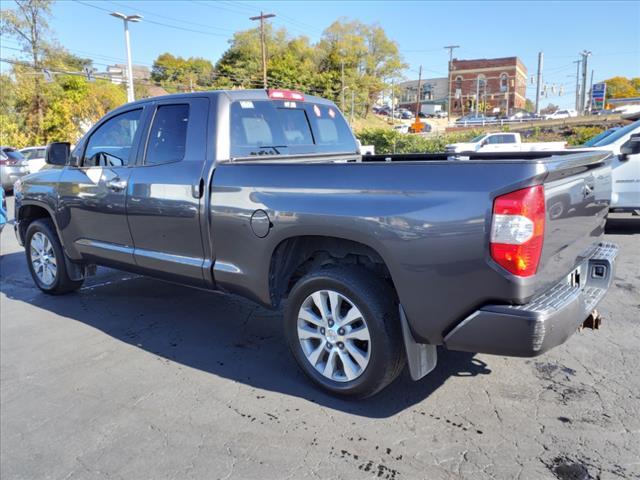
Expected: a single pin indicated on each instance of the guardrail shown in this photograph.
(516, 125)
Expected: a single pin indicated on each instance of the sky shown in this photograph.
(610, 30)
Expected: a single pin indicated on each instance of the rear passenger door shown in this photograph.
(165, 200)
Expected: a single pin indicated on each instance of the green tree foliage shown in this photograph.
(182, 74)
(365, 54)
(529, 106)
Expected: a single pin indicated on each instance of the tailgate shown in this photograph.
(577, 196)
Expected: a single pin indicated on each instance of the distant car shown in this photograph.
(560, 114)
(440, 114)
(475, 120)
(3, 209)
(12, 167)
(407, 115)
(35, 157)
(603, 112)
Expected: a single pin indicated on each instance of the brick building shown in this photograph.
(498, 84)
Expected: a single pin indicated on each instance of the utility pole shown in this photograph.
(539, 81)
(583, 99)
(577, 62)
(419, 89)
(353, 104)
(393, 101)
(590, 92)
(342, 89)
(477, 93)
(262, 17)
(126, 19)
(451, 48)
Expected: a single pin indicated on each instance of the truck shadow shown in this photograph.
(219, 334)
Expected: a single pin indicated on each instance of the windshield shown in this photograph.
(477, 139)
(617, 135)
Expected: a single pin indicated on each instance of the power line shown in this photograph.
(147, 12)
(158, 23)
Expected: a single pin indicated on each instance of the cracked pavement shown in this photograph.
(134, 378)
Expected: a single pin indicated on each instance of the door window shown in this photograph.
(168, 137)
(111, 144)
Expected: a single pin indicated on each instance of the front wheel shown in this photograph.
(343, 328)
(45, 259)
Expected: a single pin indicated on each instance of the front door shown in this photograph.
(92, 206)
(165, 201)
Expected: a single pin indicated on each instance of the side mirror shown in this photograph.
(630, 147)
(58, 153)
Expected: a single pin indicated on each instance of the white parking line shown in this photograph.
(104, 284)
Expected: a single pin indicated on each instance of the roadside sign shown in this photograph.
(598, 92)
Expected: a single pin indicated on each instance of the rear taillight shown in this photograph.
(517, 230)
(8, 161)
(285, 95)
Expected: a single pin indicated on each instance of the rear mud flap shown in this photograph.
(421, 357)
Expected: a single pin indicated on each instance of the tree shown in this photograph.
(529, 106)
(28, 24)
(549, 109)
(182, 74)
(368, 56)
(622, 87)
(71, 104)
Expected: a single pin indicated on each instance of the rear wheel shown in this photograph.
(45, 259)
(343, 329)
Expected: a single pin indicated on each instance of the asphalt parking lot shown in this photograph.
(135, 378)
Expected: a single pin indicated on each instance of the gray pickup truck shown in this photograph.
(376, 259)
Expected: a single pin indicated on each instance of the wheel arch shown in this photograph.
(30, 211)
(294, 256)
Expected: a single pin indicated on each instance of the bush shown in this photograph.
(386, 141)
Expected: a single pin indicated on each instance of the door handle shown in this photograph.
(197, 189)
(117, 185)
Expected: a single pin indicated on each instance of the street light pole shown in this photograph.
(126, 19)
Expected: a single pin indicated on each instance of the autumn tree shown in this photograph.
(28, 24)
(622, 87)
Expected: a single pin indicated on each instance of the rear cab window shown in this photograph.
(283, 127)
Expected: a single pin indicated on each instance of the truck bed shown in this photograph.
(427, 216)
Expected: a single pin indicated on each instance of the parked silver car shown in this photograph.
(13, 166)
(35, 157)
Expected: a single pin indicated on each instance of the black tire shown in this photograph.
(62, 283)
(376, 301)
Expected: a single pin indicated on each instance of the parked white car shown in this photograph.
(502, 142)
(35, 157)
(624, 143)
(560, 114)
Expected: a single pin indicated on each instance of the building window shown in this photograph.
(504, 82)
(427, 92)
(482, 84)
